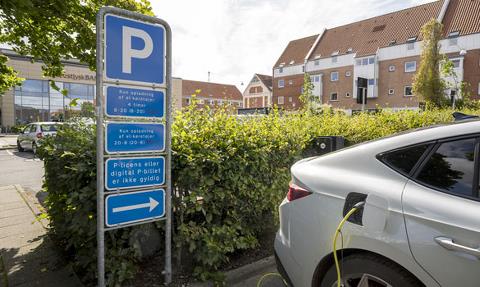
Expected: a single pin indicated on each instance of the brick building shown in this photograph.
(258, 93)
(384, 52)
(211, 94)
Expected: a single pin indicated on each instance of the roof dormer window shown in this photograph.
(393, 42)
(292, 62)
(349, 50)
(412, 39)
(454, 34)
(317, 56)
(335, 53)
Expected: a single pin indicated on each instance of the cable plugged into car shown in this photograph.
(370, 211)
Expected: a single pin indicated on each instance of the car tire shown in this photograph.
(377, 270)
(19, 147)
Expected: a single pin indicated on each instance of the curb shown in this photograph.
(8, 147)
(33, 205)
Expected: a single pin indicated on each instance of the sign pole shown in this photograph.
(100, 145)
(169, 120)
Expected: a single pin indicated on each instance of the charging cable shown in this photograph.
(259, 283)
(337, 232)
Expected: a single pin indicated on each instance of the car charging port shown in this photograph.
(352, 199)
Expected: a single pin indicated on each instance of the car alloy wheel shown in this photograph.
(362, 280)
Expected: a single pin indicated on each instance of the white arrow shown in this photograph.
(151, 205)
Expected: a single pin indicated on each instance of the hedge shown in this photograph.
(229, 175)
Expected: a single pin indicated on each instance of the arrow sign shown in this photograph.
(150, 205)
(132, 207)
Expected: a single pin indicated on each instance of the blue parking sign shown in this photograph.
(134, 137)
(134, 172)
(134, 51)
(131, 207)
(126, 101)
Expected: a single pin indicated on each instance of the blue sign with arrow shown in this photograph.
(134, 51)
(124, 101)
(132, 172)
(134, 137)
(132, 207)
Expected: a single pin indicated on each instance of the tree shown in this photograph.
(462, 89)
(53, 30)
(310, 102)
(427, 82)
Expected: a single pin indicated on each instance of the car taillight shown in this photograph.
(296, 192)
(39, 135)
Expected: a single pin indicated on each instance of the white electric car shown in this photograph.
(420, 225)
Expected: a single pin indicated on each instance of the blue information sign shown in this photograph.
(132, 102)
(134, 51)
(134, 172)
(134, 137)
(131, 207)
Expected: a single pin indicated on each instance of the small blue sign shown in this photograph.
(133, 102)
(132, 207)
(134, 51)
(134, 137)
(133, 172)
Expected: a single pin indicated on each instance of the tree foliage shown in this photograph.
(53, 30)
(427, 82)
(8, 76)
(311, 103)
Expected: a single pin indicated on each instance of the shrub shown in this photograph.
(229, 175)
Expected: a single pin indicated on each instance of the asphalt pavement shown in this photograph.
(21, 168)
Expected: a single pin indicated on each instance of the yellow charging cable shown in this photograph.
(339, 228)
(270, 274)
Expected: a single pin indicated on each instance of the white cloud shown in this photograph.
(233, 39)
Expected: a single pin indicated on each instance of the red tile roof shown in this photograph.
(462, 16)
(296, 51)
(266, 80)
(366, 36)
(210, 90)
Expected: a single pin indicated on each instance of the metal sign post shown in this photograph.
(134, 77)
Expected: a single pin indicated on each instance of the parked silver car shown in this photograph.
(420, 225)
(30, 137)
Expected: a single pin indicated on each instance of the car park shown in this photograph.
(420, 220)
(30, 137)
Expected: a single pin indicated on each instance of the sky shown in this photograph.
(233, 39)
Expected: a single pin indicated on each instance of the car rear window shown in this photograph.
(403, 160)
(49, 128)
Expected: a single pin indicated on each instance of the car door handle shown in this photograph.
(449, 244)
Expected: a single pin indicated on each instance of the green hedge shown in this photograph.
(229, 173)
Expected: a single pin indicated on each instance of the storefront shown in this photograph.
(37, 100)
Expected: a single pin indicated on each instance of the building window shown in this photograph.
(348, 73)
(410, 46)
(36, 101)
(358, 62)
(317, 79)
(453, 38)
(280, 70)
(289, 99)
(391, 91)
(290, 82)
(281, 100)
(187, 100)
(281, 83)
(410, 67)
(456, 63)
(347, 94)
(408, 91)
(452, 41)
(303, 69)
(371, 82)
(317, 62)
(334, 59)
(391, 68)
(334, 76)
(478, 89)
(371, 60)
(333, 97)
(365, 62)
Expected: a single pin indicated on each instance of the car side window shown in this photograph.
(403, 160)
(33, 128)
(451, 167)
(27, 129)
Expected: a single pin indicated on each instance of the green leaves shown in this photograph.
(8, 76)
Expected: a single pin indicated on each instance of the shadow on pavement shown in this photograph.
(24, 154)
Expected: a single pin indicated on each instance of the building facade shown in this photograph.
(258, 93)
(36, 100)
(210, 94)
(383, 53)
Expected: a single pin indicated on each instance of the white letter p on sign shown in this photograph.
(128, 53)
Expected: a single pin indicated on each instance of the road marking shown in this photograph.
(151, 205)
(9, 152)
